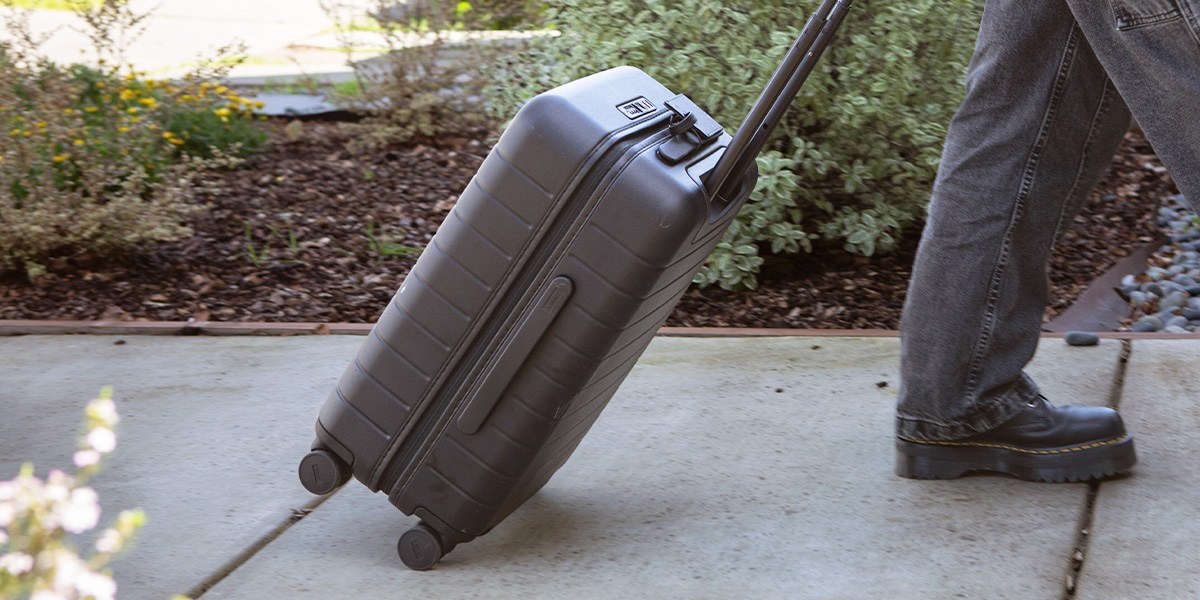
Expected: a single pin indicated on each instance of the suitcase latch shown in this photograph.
(691, 129)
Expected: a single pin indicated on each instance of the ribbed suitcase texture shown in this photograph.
(572, 213)
(546, 282)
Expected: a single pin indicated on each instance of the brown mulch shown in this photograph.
(309, 232)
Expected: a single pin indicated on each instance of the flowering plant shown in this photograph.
(36, 561)
(96, 162)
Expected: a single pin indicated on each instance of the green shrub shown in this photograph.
(855, 158)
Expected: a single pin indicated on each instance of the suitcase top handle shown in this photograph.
(781, 89)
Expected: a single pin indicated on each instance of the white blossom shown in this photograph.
(47, 595)
(110, 541)
(7, 511)
(96, 585)
(87, 458)
(102, 440)
(16, 563)
(58, 487)
(103, 410)
(81, 511)
(3, 537)
(8, 490)
(68, 569)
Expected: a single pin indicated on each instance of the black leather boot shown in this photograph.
(1041, 443)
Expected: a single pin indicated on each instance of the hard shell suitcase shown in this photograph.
(545, 283)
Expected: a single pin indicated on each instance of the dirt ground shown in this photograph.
(309, 232)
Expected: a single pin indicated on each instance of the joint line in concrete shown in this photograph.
(1087, 518)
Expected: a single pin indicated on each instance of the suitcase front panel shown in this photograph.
(630, 260)
(472, 268)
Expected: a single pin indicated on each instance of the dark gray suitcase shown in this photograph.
(546, 282)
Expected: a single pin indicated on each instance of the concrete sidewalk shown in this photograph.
(287, 38)
(724, 468)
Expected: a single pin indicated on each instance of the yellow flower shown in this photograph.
(135, 119)
(101, 84)
(60, 157)
(187, 97)
(222, 112)
(68, 111)
(90, 109)
(14, 132)
(41, 124)
(132, 110)
(149, 102)
(78, 142)
(128, 94)
(123, 129)
(220, 89)
(176, 141)
(259, 104)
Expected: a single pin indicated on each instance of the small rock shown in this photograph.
(1175, 299)
(1147, 323)
(1194, 290)
(1176, 321)
(1191, 314)
(1082, 338)
(1175, 329)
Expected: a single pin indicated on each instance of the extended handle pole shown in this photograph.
(781, 89)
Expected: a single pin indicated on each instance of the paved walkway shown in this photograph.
(282, 37)
(724, 468)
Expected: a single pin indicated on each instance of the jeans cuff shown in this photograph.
(984, 416)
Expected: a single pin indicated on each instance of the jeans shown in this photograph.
(1049, 95)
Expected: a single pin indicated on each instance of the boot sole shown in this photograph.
(951, 460)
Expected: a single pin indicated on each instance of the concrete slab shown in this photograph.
(208, 444)
(727, 468)
(1147, 527)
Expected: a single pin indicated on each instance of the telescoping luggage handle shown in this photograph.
(781, 89)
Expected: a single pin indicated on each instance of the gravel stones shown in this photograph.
(1167, 296)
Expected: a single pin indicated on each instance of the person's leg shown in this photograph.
(1039, 124)
(1151, 50)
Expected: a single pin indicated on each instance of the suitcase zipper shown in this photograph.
(403, 458)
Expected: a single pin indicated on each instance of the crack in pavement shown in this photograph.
(1079, 553)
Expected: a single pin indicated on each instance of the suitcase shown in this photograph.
(545, 283)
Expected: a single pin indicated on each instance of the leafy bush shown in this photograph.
(855, 158)
(95, 162)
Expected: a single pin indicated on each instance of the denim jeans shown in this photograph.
(1049, 93)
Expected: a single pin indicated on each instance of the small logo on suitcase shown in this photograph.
(637, 107)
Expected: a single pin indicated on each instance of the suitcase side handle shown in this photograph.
(483, 398)
(775, 98)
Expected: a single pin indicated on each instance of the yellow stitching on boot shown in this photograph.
(1024, 450)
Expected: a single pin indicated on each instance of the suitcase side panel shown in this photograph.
(469, 266)
(635, 254)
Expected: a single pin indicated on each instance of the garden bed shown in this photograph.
(309, 232)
